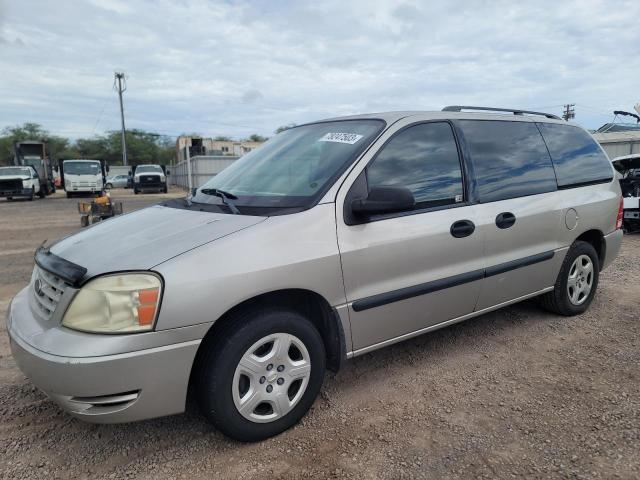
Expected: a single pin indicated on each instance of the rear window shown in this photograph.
(577, 158)
(509, 159)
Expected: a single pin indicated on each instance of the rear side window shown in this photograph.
(509, 159)
(424, 158)
(576, 156)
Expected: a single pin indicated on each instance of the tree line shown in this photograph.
(142, 146)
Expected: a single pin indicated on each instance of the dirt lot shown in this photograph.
(515, 393)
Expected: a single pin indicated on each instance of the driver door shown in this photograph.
(405, 272)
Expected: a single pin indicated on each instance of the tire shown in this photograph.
(69, 194)
(33, 194)
(220, 377)
(9, 199)
(560, 299)
(108, 186)
(136, 191)
(41, 193)
(164, 190)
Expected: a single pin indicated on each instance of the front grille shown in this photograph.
(11, 185)
(47, 290)
(149, 179)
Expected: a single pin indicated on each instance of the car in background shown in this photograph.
(117, 181)
(149, 178)
(19, 181)
(628, 167)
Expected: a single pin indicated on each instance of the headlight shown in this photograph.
(116, 304)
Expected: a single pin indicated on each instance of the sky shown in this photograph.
(242, 67)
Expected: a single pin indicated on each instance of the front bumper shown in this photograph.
(123, 387)
(23, 192)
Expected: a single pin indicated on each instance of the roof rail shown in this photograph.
(459, 108)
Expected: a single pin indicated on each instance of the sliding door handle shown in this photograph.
(462, 228)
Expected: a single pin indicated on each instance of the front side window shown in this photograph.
(293, 168)
(576, 156)
(509, 159)
(423, 158)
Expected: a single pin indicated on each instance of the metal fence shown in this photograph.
(202, 169)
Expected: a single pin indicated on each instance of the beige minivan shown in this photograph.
(333, 239)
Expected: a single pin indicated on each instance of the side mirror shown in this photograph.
(383, 200)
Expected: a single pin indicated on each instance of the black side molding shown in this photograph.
(66, 270)
(521, 262)
(448, 282)
(416, 290)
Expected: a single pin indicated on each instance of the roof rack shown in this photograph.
(459, 108)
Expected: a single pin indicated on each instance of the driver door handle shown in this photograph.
(505, 220)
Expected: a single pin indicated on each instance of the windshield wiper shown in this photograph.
(227, 198)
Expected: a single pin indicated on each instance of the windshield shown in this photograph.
(148, 168)
(6, 171)
(295, 167)
(82, 168)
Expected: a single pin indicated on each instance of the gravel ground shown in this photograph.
(515, 393)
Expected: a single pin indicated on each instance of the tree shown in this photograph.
(284, 127)
(142, 146)
(257, 138)
(222, 138)
(29, 131)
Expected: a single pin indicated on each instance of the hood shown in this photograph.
(15, 177)
(628, 162)
(145, 238)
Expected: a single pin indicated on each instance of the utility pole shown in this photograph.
(120, 84)
(569, 111)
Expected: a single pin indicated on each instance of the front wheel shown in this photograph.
(108, 186)
(32, 194)
(577, 281)
(262, 375)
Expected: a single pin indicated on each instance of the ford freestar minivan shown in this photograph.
(333, 239)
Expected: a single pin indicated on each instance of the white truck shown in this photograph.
(150, 178)
(19, 181)
(83, 176)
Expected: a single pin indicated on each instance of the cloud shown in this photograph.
(236, 68)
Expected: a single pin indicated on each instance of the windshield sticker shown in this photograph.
(349, 138)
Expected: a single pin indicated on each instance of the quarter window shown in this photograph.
(424, 158)
(576, 156)
(509, 159)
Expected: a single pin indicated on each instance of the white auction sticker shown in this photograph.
(349, 138)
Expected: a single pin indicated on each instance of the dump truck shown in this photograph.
(36, 154)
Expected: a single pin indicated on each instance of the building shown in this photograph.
(200, 146)
(619, 139)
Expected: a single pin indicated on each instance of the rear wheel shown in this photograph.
(108, 186)
(262, 375)
(577, 281)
